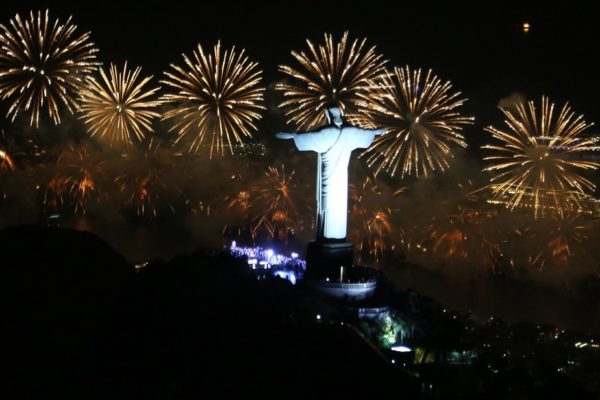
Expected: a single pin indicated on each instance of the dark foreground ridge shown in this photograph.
(82, 322)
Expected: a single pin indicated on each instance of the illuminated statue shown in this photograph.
(333, 143)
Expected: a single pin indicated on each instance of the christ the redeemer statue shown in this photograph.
(334, 144)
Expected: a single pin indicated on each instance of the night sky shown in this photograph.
(482, 50)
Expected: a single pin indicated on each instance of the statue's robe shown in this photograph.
(334, 146)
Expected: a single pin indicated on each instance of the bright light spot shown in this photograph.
(318, 317)
(401, 349)
(233, 244)
(140, 265)
(294, 255)
(526, 27)
(269, 253)
(290, 276)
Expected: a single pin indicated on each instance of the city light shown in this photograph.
(289, 268)
(401, 349)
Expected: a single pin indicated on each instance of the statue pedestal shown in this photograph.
(324, 259)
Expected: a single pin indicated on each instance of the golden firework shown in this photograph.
(464, 235)
(119, 108)
(76, 180)
(19, 152)
(241, 201)
(332, 74)
(6, 162)
(559, 238)
(43, 65)
(216, 96)
(538, 160)
(276, 199)
(568, 233)
(370, 222)
(143, 192)
(146, 183)
(422, 123)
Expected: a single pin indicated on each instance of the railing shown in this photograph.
(343, 285)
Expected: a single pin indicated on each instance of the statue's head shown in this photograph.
(334, 116)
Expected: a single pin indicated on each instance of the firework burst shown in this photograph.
(241, 201)
(119, 108)
(43, 65)
(215, 96)
(559, 238)
(422, 123)
(463, 236)
(19, 153)
(146, 184)
(332, 74)
(7, 164)
(537, 161)
(143, 192)
(370, 223)
(238, 208)
(275, 204)
(76, 180)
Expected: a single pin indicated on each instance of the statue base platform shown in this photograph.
(324, 259)
(341, 290)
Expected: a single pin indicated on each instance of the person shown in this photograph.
(334, 143)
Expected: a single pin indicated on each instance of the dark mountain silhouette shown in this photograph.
(82, 322)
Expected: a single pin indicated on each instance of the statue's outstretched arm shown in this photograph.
(377, 132)
(285, 135)
(361, 131)
(290, 135)
(362, 138)
(318, 141)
